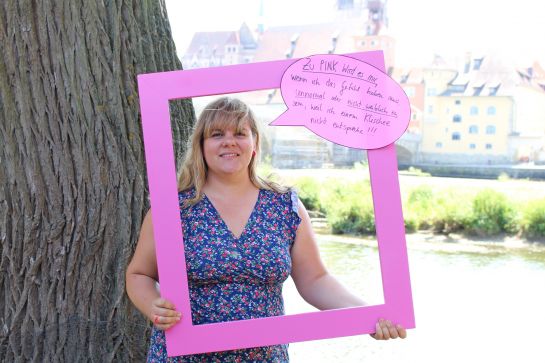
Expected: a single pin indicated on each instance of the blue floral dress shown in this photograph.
(235, 278)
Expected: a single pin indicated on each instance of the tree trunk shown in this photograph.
(73, 187)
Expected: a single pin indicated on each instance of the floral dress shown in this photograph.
(235, 278)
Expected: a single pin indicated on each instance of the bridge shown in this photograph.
(407, 148)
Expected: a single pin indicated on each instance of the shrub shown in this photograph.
(504, 176)
(491, 214)
(452, 211)
(411, 224)
(415, 171)
(349, 208)
(533, 219)
(309, 193)
(419, 208)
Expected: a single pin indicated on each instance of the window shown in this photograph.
(457, 88)
(474, 110)
(413, 116)
(477, 90)
(457, 102)
(473, 129)
(477, 63)
(491, 110)
(493, 90)
(472, 146)
(457, 118)
(438, 145)
(490, 130)
(430, 109)
(488, 146)
(456, 136)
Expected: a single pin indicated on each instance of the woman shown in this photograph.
(243, 236)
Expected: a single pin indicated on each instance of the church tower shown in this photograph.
(375, 34)
(372, 12)
(377, 20)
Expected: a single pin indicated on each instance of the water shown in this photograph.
(473, 302)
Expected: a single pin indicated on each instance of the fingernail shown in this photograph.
(381, 320)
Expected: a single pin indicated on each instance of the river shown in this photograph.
(474, 302)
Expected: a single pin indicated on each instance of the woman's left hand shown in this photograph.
(386, 330)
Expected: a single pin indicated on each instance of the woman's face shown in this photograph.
(229, 151)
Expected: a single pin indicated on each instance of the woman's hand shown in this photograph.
(164, 314)
(386, 330)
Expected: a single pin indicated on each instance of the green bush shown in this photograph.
(349, 208)
(491, 214)
(533, 220)
(418, 208)
(309, 193)
(415, 171)
(451, 212)
(411, 225)
(443, 212)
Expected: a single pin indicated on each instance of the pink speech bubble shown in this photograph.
(344, 100)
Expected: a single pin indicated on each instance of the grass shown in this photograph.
(482, 208)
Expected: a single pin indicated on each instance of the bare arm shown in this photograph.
(321, 289)
(142, 278)
(311, 278)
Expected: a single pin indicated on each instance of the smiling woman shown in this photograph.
(243, 236)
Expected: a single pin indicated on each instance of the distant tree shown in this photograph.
(73, 187)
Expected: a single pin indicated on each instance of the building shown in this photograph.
(483, 113)
(212, 49)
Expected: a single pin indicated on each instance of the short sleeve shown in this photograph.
(295, 219)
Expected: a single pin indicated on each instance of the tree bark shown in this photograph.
(73, 188)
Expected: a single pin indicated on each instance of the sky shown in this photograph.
(422, 28)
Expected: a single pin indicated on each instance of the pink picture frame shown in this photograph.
(155, 91)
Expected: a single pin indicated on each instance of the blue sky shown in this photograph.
(422, 28)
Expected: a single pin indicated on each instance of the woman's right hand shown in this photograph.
(164, 314)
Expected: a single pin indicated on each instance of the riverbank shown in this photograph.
(519, 171)
(518, 189)
(454, 243)
(472, 208)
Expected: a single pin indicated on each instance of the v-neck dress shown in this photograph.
(236, 278)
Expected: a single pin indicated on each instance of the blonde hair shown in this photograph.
(225, 112)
